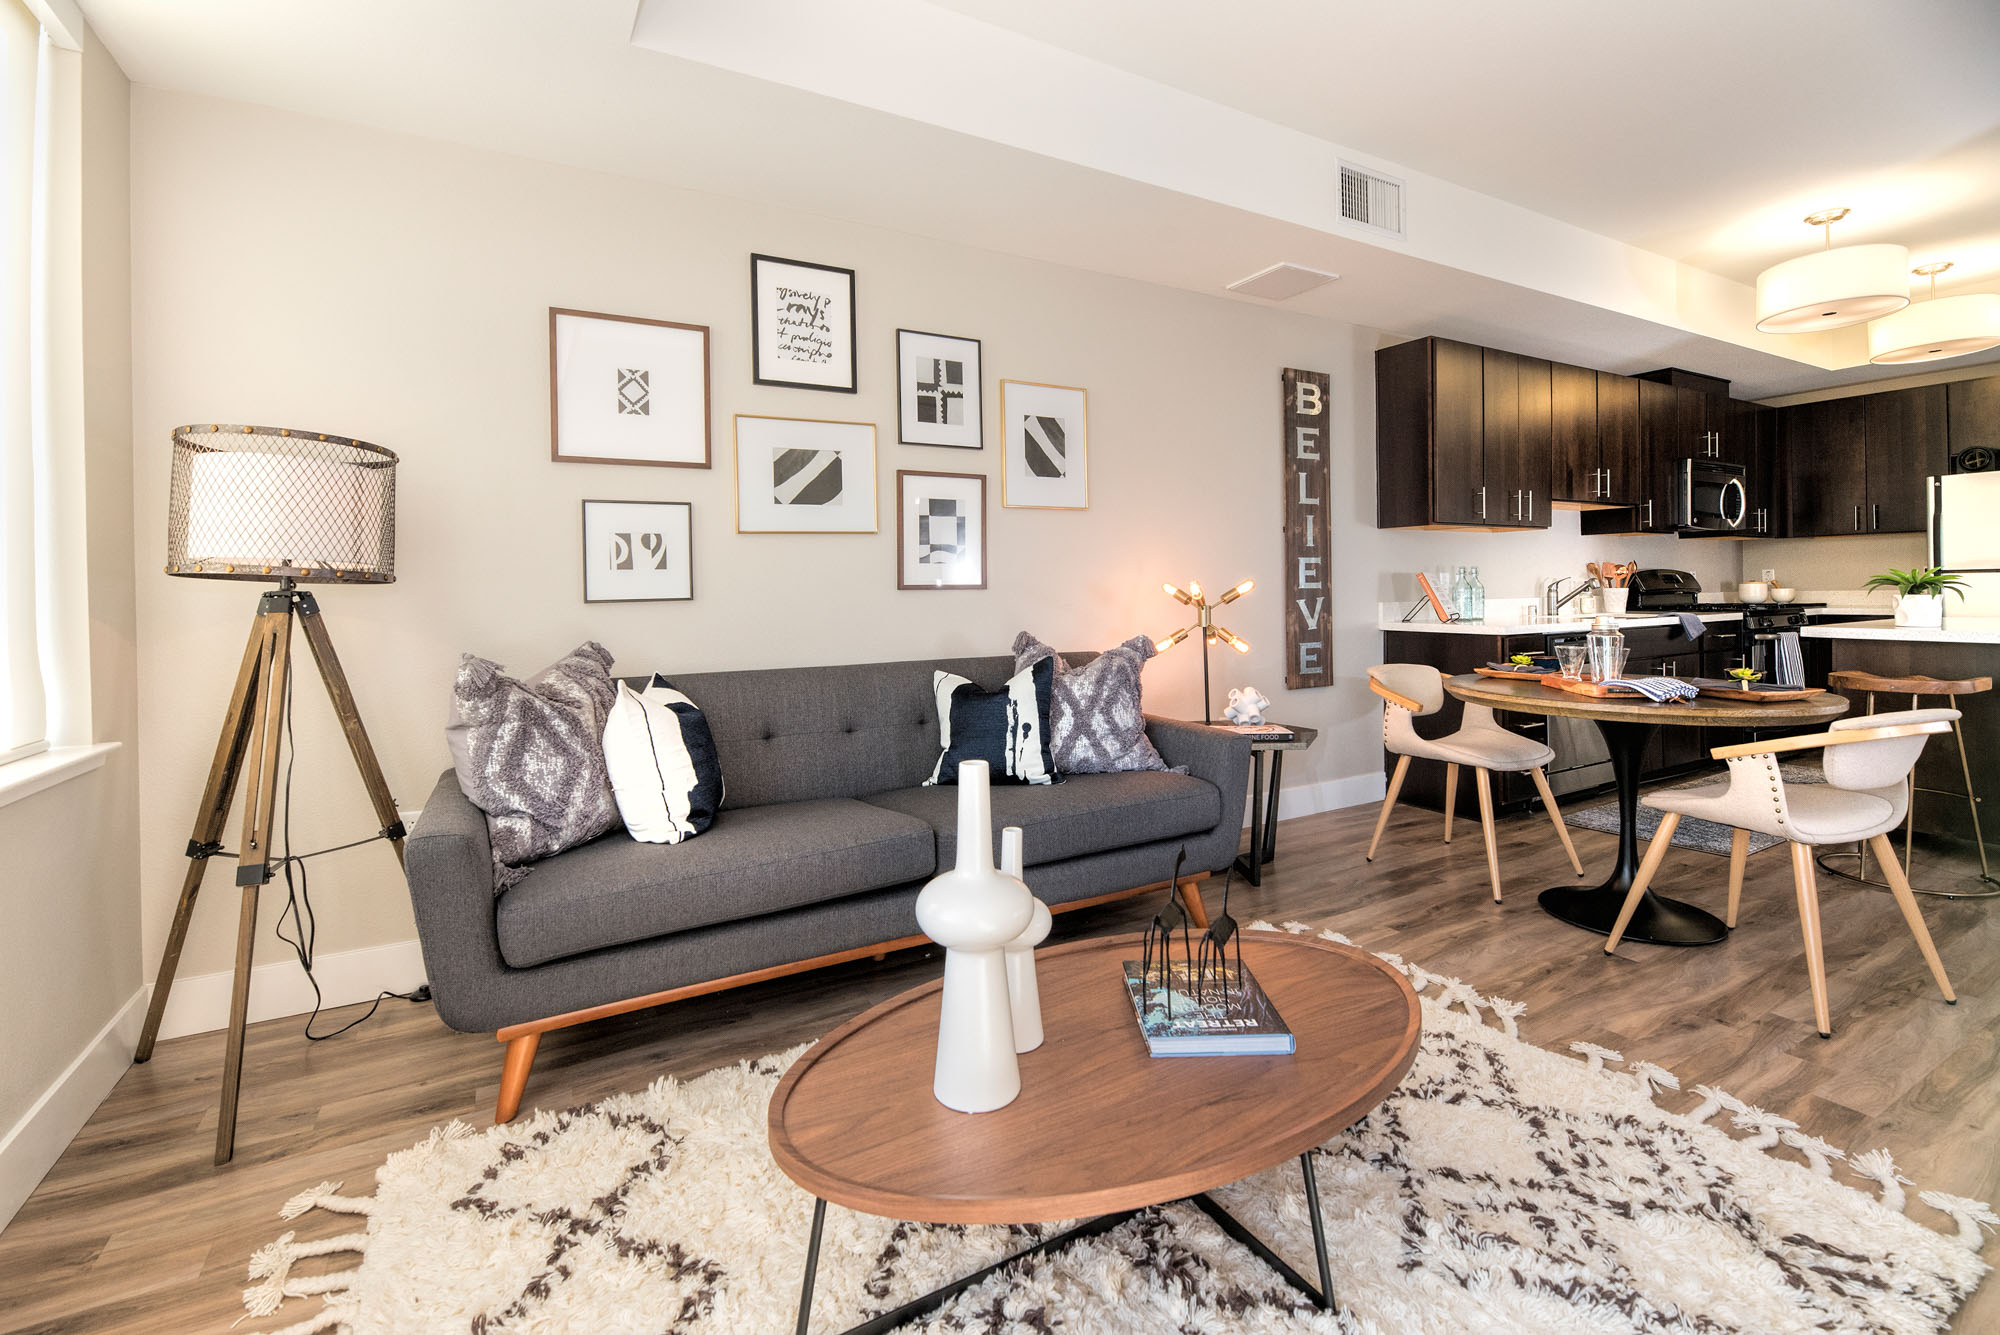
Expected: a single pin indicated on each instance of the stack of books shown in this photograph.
(1223, 1013)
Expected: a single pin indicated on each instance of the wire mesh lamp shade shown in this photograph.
(263, 503)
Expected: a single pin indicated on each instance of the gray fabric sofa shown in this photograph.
(823, 841)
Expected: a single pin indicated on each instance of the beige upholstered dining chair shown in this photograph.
(1410, 690)
(1867, 763)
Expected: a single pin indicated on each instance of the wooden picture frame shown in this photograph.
(1044, 446)
(638, 390)
(620, 565)
(918, 491)
(802, 325)
(786, 483)
(949, 408)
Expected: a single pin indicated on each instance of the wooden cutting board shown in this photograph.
(1508, 676)
(1714, 688)
(1596, 690)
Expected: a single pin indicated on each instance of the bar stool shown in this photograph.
(1916, 687)
(1410, 690)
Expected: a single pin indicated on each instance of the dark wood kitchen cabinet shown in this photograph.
(1618, 449)
(1461, 437)
(1973, 409)
(1575, 474)
(1757, 428)
(1671, 421)
(1857, 465)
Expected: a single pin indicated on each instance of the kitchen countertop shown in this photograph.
(1956, 630)
(1572, 626)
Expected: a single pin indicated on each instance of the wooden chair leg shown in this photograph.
(1807, 887)
(1739, 853)
(1906, 900)
(1450, 798)
(1190, 892)
(1556, 816)
(1389, 802)
(514, 1075)
(1656, 853)
(1484, 784)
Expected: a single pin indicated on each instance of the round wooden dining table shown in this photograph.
(1627, 724)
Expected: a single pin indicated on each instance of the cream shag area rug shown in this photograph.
(1502, 1188)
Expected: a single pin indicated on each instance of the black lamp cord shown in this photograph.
(298, 900)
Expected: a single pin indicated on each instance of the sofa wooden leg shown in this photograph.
(1191, 899)
(514, 1075)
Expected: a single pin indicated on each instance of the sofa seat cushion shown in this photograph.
(751, 861)
(1084, 814)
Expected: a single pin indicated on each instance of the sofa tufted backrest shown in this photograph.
(789, 734)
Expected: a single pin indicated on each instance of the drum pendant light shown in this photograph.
(1840, 285)
(1938, 327)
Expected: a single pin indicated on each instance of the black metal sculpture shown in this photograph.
(1171, 916)
(1214, 948)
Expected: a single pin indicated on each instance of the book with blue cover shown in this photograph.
(1224, 1014)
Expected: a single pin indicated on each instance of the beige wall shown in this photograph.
(297, 272)
(69, 956)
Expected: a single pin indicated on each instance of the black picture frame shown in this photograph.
(762, 269)
(685, 527)
(971, 435)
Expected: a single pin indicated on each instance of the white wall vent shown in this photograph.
(1371, 199)
(1282, 282)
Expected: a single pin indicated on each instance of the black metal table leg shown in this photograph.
(1251, 864)
(1271, 808)
(1657, 920)
(812, 1265)
(1319, 1233)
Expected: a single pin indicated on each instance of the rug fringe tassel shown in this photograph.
(325, 1197)
(1818, 1153)
(1768, 1127)
(1878, 1164)
(1970, 1215)
(1653, 1077)
(1597, 1056)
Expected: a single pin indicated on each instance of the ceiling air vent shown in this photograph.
(1282, 282)
(1371, 199)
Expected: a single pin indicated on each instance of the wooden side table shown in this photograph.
(1264, 809)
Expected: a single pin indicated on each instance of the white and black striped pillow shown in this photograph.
(664, 770)
(1007, 728)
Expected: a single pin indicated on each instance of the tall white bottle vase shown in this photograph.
(973, 912)
(1023, 996)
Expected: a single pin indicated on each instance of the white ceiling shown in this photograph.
(565, 82)
(1704, 130)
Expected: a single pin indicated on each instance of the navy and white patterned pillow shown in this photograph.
(665, 774)
(1097, 723)
(1007, 728)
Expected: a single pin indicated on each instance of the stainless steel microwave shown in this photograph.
(1710, 496)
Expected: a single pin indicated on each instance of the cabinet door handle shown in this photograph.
(1649, 512)
(1482, 502)
(1531, 507)
(1874, 516)
(1857, 519)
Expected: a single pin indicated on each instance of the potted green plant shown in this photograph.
(1919, 594)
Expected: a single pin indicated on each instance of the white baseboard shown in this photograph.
(34, 1143)
(200, 1003)
(1309, 799)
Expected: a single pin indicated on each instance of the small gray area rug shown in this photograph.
(1704, 836)
(1502, 1189)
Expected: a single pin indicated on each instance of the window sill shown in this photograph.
(22, 778)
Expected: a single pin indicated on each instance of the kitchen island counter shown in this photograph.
(1568, 626)
(1956, 630)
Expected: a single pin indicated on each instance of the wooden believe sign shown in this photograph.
(1308, 545)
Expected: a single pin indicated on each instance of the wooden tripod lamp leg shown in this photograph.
(253, 858)
(350, 721)
(208, 824)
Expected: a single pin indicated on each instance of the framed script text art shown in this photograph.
(937, 391)
(638, 551)
(940, 530)
(1045, 451)
(1308, 545)
(799, 475)
(801, 324)
(623, 390)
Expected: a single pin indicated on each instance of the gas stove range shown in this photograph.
(1747, 609)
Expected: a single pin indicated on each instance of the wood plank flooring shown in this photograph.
(134, 1230)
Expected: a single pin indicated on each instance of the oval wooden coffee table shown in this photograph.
(1101, 1128)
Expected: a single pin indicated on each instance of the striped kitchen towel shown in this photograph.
(1660, 690)
(1791, 663)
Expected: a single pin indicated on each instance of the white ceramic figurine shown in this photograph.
(1246, 705)
(1023, 995)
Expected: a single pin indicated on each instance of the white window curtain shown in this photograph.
(44, 647)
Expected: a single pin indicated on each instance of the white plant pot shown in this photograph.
(1920, 609)
(1613, 600)
(974, 911)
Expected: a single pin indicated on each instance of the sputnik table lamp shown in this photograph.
(1205, 624)
(286, 507)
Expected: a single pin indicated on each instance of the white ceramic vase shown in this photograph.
(1023, 996)
(1920, 609)
(973, 911)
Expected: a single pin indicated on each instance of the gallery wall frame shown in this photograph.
(940, 530)
(938, 390)
(1044, 446)
(624, 389)
(804, 475)
(802, 325)
(638, 551)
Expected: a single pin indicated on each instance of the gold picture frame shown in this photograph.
(1044, 446)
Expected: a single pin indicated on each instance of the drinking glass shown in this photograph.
(1570, 657)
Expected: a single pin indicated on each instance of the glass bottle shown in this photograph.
(1478, 596)
(1461, 594)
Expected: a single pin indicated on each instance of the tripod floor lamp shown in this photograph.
(286, 507)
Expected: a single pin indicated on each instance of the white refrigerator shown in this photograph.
(1965, 539)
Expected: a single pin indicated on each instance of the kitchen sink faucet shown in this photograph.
(1554, 600)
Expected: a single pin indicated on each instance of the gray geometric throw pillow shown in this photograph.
(1096, 721)
(530, 754)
